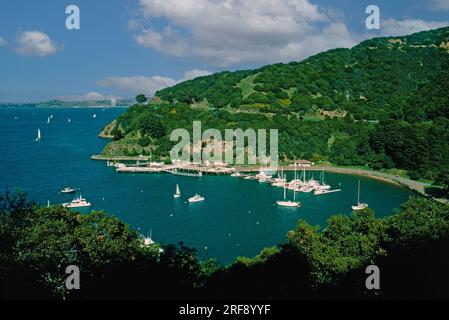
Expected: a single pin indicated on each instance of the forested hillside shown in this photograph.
(383, 104)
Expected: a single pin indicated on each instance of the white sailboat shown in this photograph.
(359, 206)
(39, 136)
(69, 120)
(94, 116)
(289, 204)
(178, 192)
(148, 241)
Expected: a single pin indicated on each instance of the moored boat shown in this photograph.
(178, 192)
(78, 202)
(359, 206)
(68, 190)
(196, 198)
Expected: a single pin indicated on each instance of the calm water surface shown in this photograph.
(238, 217)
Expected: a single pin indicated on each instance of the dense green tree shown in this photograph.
(442, 179)
(141, 98)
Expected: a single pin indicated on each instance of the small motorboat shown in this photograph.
(196, 198)
(68, 190)
(78, 202)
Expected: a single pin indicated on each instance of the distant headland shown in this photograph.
(71, 104)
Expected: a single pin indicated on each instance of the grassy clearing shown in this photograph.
(203, 105)
(247, 85)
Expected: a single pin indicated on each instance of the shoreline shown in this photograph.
(418, 187)
(98, 157)
(415, 186)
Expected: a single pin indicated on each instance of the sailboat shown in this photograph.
(148, 241)
(290, 204)
(94, 116)
(48, 120)
(39, 137)
(69, 120)
(178, 192)
(359, 206)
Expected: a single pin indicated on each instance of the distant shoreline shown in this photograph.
(32, 106)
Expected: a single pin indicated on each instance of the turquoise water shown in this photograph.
(237, 218)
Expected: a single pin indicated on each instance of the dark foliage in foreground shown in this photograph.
(410, 247)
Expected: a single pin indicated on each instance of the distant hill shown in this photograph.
(70, 104)
(382, 103)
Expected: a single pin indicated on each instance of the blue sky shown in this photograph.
(129, 46)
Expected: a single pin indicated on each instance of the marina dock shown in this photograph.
(187, 170)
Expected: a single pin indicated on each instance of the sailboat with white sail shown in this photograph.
(359, 206)
(148, 240)
(178, 192)
(39, 136)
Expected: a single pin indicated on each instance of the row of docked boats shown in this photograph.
(299, 184)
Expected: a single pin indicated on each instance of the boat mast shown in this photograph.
(304, 169)
(358, 194)
(285, 192)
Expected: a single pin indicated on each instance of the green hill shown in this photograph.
(382, 103)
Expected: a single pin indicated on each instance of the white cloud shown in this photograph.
(148, 85)
(35, 43)
(195, 73)
(2, 42)
(138, 84)
(90, 96)
(440, 5)
(392, 27)
(238, 31)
